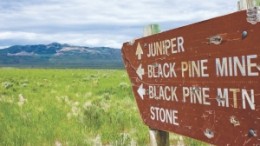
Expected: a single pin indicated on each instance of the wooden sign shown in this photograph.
(200, 80)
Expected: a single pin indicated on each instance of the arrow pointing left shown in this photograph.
(141, 91)
(140, 72)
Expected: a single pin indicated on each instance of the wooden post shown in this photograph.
(246, 4)
(157, 137)
(151, 29)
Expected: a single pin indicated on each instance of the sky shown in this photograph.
(107, 23)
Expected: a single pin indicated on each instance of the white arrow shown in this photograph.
(141, 91)
(140, 72)
(139, 51)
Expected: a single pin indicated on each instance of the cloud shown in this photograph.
(93, 39)
(98, 22)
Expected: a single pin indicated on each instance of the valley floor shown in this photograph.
(70, 107)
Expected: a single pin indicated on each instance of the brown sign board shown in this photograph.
(200, 80)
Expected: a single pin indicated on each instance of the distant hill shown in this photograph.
(57, 55)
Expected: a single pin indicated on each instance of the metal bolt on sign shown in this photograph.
(252, 132)
(244, 34)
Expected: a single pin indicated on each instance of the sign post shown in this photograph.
(157, 137)
(201, 80)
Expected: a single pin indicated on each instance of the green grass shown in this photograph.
(69, 107)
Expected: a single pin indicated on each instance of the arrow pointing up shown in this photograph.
(141, 92)
(139, 51)
(140, 72)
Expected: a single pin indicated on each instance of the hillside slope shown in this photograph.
(57, 55)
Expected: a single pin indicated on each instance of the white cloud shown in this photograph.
(70, 38)
(120, 12)
(79, 21)
(4, 47)
(18, 35)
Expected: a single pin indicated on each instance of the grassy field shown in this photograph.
(69, 107)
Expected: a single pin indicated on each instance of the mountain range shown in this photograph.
(56, 55)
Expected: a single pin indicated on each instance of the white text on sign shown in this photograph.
(167, 93)
(235, 66)
(223, 97)
(195, 68)
(164, 115)
(165, 70)
(166, 47)
(247, 97)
